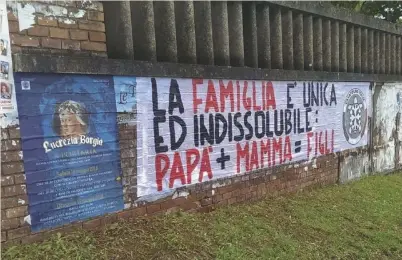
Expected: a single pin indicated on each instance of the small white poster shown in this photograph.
(8, 108)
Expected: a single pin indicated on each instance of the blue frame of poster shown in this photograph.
(70, 147)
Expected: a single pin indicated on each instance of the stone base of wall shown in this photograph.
(206, 197)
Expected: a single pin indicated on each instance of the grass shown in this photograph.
(360, 220)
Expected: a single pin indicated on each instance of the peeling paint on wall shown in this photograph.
(26, 17)
(26, 13)
(179, 194)
(9, 119)
(386, 137)
(27, 219)
(66, 20)
(354, 167)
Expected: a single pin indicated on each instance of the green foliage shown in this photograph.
(360, 220)
(390, 11)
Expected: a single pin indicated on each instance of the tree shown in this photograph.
(390, 11)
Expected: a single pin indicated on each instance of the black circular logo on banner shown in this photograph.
(354, 116)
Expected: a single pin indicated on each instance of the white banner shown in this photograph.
(195, 130)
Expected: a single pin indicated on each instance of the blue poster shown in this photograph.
(70, 147)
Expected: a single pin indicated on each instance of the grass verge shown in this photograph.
(360, 220)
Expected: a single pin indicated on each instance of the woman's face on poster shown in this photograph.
(70, 125)
(4, 89)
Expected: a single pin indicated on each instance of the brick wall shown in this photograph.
(84, 34)
(128, 156)
(203, 197)
(59, 27)
(14, 200)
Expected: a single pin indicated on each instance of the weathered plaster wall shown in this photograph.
(354, 165)
(387, 136)
(384, 154)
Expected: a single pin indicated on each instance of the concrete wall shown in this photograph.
(270, 34)
(386, 127)
(384, 152)
(354, 164)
